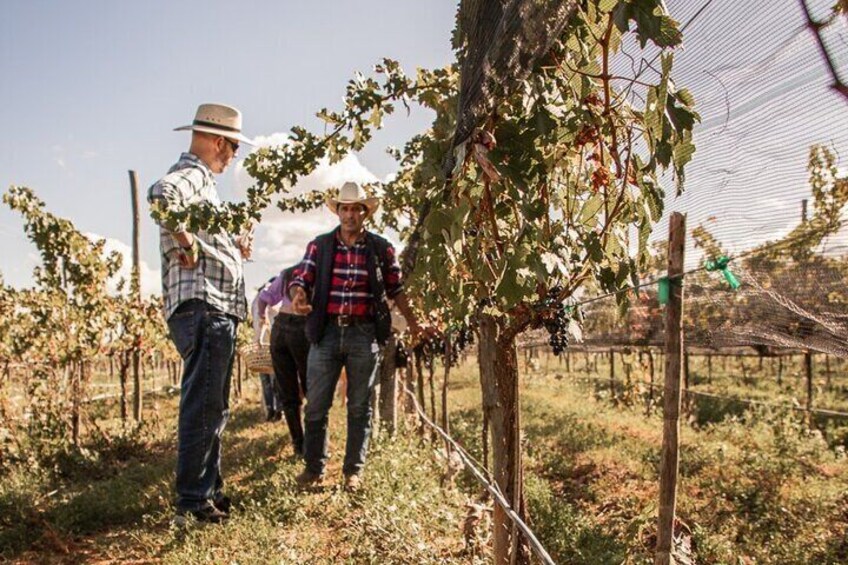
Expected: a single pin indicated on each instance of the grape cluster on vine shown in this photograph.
(556, 319)
(438, 346)
(557, 327)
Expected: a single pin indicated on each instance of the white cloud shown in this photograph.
(323, 177)
(151, 282)
(281, 238)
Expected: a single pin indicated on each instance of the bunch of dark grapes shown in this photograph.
(558, 328)
(463, 338)
(430, 347)
(437, 346)
(556, 319)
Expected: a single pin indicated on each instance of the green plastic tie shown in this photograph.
(663, 290)
(720, 264)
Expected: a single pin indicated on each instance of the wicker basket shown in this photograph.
(257, 358)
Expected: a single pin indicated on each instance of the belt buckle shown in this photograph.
(344, 320)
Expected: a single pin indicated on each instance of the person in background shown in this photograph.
(289, 351)
(271, 400)
(343, 285)
(203, 295)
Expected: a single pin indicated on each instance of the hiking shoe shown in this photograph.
(353, 483)
(208, 514)
(309, 479)
(223, 503)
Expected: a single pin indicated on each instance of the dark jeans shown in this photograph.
(205, 339)
(289, 351)
(270, 395)
(354, 348)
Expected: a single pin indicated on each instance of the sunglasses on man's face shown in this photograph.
(233, 145)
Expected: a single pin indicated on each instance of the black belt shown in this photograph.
(291, 317)
(345, 320)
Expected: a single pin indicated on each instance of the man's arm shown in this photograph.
(168, 193)
(416, 330)
(302, 279)
(269, 295)
(189, 249)
(394, 290)
(406, 310)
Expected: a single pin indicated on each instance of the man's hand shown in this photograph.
(263, 329)
(245, 244)
(300, 304)
(189, 251)
(189, 256)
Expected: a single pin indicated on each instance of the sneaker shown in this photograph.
(309, 479)
(209, 514)
(223, 503)
(353, 483)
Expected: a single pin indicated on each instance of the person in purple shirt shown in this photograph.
(289, 350)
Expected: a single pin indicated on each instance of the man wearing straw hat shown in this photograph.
(349, 274)
(204, 301)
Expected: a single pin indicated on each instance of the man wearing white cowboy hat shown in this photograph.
(203, 291)
(350, 273)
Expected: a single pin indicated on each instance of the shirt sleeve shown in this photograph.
(304, 274)
(171, 193)
(270, 295)
(394, 285)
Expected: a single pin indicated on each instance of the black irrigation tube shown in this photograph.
(535, 544)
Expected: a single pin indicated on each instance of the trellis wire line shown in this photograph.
(537, 547)
(652, 282)
(782, 406)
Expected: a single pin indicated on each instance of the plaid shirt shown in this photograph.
(349, 289)
(218, 278)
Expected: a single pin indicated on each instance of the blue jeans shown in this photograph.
(354, 348)
(270, 395)
(205, 339)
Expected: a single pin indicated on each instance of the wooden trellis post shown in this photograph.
(136, 291)
(808, 370)
(669, 462)
(612, 373)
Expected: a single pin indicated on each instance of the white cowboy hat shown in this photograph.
(219, 119)
(352, 193)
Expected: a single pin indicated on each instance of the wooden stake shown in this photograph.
(238, 375)
(686, 382)
(808, 370)
(710, 368)
(671, 402)
(612, 373)
(135, 290)
(651, 387)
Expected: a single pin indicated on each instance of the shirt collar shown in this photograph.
(359, 241)
(194, 160)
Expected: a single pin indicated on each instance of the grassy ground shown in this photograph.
(117, 507)
(755, 487)
(760, 488)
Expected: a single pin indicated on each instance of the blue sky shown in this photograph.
(91, 89)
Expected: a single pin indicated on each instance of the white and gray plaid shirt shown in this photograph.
(218, 278)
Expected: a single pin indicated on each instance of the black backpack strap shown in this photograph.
(380, 247)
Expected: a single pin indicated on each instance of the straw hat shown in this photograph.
(352, 193)
(219, 119)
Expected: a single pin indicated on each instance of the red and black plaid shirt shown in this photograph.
(350, 292)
